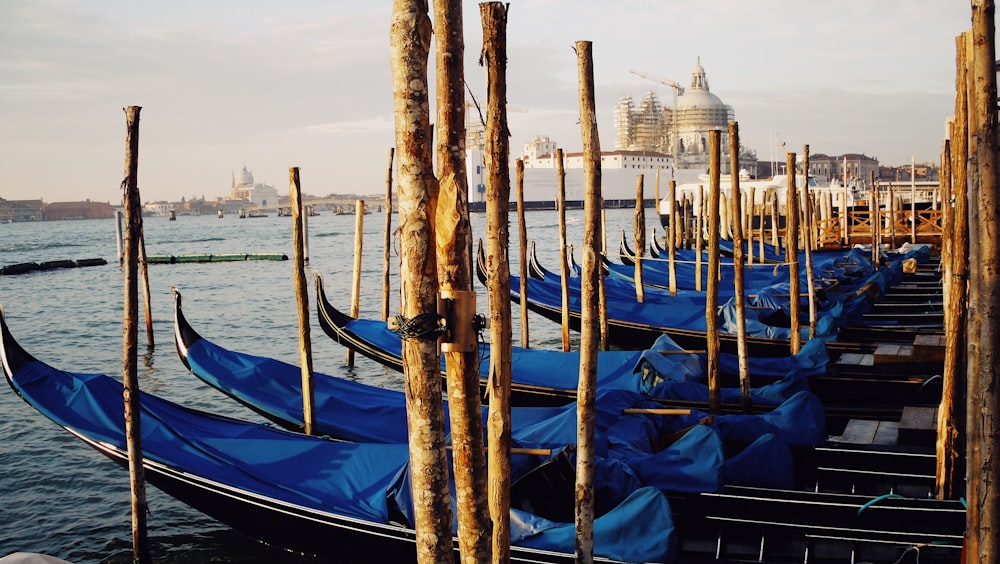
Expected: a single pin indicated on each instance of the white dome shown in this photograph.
(700, 100)
(244, 178)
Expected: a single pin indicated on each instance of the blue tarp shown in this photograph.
(355, 411)
(352, 479)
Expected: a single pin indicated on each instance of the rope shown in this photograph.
(424, 326)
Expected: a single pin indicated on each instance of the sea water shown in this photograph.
(59, 496)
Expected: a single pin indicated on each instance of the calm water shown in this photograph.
(59, 497)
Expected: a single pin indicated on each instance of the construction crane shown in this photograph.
(678, 91)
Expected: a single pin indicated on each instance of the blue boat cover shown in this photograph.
(357, 480)
(355, 411)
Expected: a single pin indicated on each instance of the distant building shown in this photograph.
(20, 210)
(682, 131)
(243, 187)
(850, 168)
(57, 211)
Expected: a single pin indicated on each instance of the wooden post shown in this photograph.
(640, 239)
(699, 237)
(792, 252)
(589, 323)
(672, 240)
(876, 217)
(913, 199)
(522, 238)
(986, 400)
(774, 223)
(133, 426)
(387, 238)
(749, 230)
(602, 297)
(144, 273)
(892, 217)
(359, 240)
(950, 412)
(302, 302)
(809, 233)
(974, 428)
(409, 45)
(712, 293)
(845, 223)
(741, 325)
(304, 219)
(494, 56)
(453, 233)
(118, 236)
(760, 226)
(563, 262)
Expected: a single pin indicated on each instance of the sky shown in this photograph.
(269, 85)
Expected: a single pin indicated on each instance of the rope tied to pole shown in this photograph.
(427, 326)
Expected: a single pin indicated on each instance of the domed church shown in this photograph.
(681, 132)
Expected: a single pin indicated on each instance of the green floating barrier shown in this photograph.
(173, 259)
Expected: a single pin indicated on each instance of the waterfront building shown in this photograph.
(681, 131)
(243, 187)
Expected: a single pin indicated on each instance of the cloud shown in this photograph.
(376, 124)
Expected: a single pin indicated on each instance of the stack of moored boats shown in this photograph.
(815, 469)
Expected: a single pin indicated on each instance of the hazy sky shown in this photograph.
(307, 83)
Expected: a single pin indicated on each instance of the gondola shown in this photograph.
(627, 425)
(308, 494)
(541, 377)
(716, 524)
(355, 411)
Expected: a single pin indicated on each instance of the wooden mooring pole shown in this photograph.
(792, 253)
(453, 234)
(387, 236)
(589, 299)
(359, 241)
(738, 284)
(673, 238)
(639, 230)
(522, 240)
(712, 292)
(409, 47)
(494, 57)
(133, 426)
(808, 238)
(302, 304)
(986, 399)
(563, 261)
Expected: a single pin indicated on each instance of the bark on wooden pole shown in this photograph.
(453, 232)
(494, 57)
(563, 262)
(359, 241)
(988, 266)
(876, 216)
(974, 437)
(738, 284)
(951, 410)
(951, 422)
(387, 236)
(144, 272)
(672, 238)
(808, 240)
(302, 304)
(589, 323)
(712, 292)
(130, 369)
(699, 238)
(522, 239)
(640, 239)
(602, 296)
(410, 37)
(792, 252)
